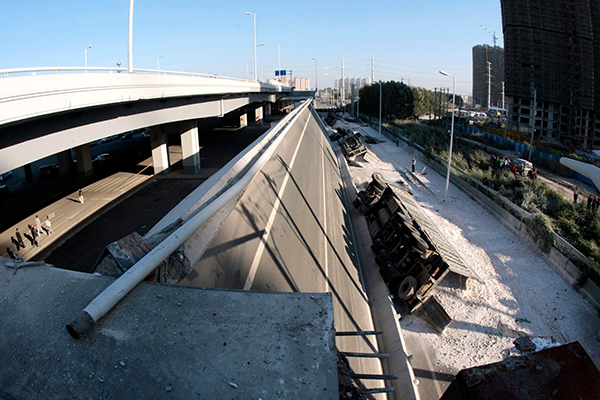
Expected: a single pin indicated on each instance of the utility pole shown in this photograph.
(326, 89)
(342, 88)
(434, 102)
(380, 97)
(489, 96)
(372, 70)
(494, 39)
(503, 106)
(534, 113)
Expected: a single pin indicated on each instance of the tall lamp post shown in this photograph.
(451, 129)
(158, 62)
(130, 40)
(316, 81)
(86, 49)
(278, 59)
(255, 69)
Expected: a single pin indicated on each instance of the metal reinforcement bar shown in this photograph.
(365, 355)
(378, 390)
(106, 300)
(358, 333)
(374, 376)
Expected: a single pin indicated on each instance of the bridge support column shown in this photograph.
(258, 116)
(160, 153)
(25, 173)
(243, 120)
(84, 161)
(267, 109)
(190, 146)
(65, 162)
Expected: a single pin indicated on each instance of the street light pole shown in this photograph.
(316, 81)
(130, 46)
(278, 59)
(158, 62)
(86, 49)
(451, 130)
(380, 97)
(255, 69)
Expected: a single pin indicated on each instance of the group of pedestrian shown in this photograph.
(499, 163)
(593, 203)
(33, 236)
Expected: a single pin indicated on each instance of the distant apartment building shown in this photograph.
(488, 75)
(552, 53)
(349, 82)
(301, 83)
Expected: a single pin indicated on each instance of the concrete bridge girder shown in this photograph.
(174, 110)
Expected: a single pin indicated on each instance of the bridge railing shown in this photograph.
(14, 72)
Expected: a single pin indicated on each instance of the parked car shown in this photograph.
(520, 166)
(127, 135)
(102, 159)
(50, 169)
(5, 176)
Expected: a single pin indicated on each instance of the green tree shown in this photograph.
(397, 100)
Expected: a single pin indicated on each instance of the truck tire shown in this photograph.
(418, 242)
(402, 218)
(384, 215)
(378, 245)
(378, 180)
(407, 288)
(357, 202)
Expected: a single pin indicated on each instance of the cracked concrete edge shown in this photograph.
(385, 316)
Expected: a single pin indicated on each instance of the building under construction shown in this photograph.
(488, 76)
(552, 55)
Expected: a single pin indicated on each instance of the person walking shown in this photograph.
(589, 202)
(35, 235)
(19, 238)
(48, 225)
(14, 243)
(414, 164)
(38, 225)
(81, 196)
(575, 195)
(29, 237)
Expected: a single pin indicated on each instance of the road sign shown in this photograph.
(281, 72)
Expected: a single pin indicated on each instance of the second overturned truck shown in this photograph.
(412, 254)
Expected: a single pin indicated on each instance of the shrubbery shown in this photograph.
(549, 210)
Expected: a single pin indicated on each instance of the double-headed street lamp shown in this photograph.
(278, 58)
(255, 68)
(86, 49)
(451, 129)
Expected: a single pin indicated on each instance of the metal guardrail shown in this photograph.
(8, 73)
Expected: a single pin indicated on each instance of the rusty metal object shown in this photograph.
(563, 372)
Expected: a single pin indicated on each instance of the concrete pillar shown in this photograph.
(267, 109)
(258, 116)
(243, 120)
(65, 162)
(25, 173)
(190, 147)
(83, 156)
(160, 153)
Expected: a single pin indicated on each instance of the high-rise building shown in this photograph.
(349, 82)
(552, 54)
(488, 73)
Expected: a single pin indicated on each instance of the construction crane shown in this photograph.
(494, 38)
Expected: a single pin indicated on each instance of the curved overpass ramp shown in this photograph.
(49, 111)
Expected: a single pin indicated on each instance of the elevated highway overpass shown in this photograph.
(53, 110)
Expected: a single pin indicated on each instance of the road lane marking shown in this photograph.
(265, 237)
(431, 369)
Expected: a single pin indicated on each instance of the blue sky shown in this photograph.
(410, 40)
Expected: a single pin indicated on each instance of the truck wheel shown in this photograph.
(378, 180)
(357, 202)
(418, 242)
(378, 245)
(402, 218)
(407, 288)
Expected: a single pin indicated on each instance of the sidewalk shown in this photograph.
(67, 213)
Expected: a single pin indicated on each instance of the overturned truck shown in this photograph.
(412, 254)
